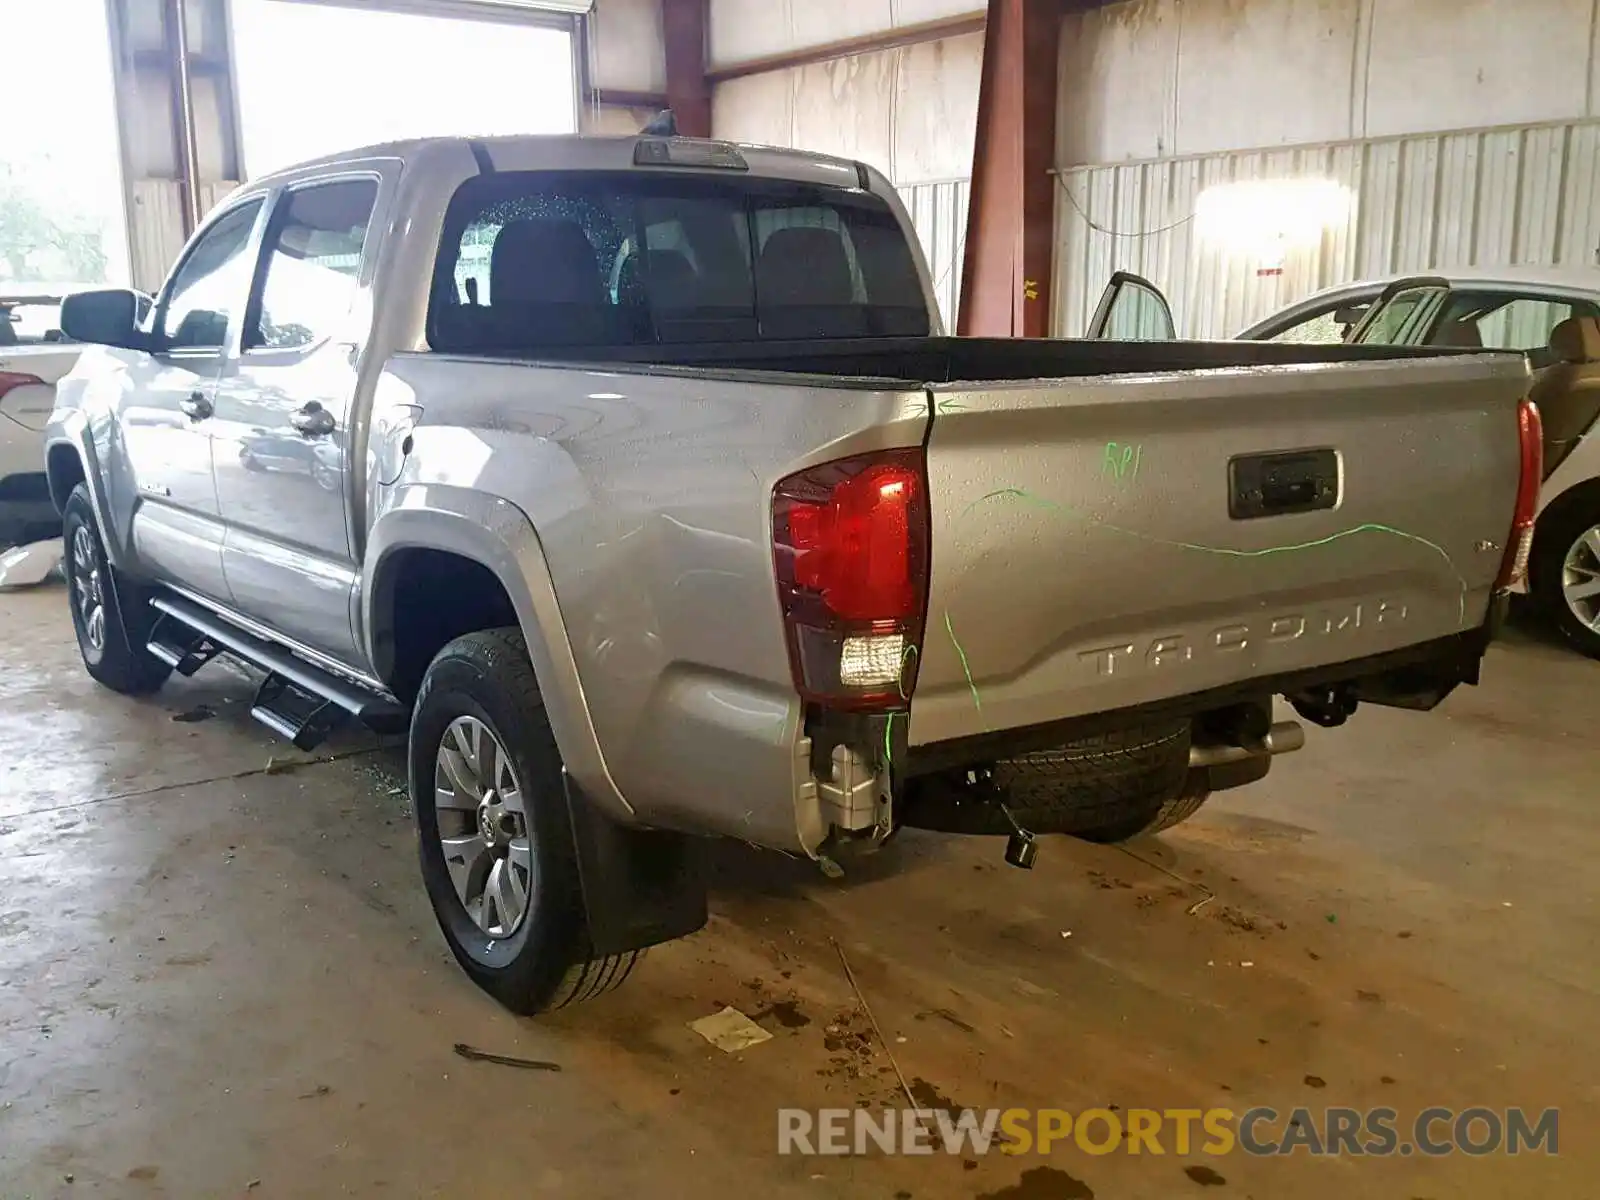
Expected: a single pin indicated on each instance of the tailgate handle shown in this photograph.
(1273, 485)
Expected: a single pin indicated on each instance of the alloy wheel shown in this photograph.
(1580, 578)
(87, 590)
(483, 827)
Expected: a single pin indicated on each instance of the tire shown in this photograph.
(111, 615)
(486, 680)
(325, 477)
(1196, 791)
(1104, 789)
(1567, 550)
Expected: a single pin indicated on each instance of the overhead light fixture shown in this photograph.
(1265, 219)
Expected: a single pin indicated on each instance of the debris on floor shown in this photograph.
(30, 565)
(730, 1031)
(191, 716)
(473, 1054)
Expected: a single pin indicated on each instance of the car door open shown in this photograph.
(1132, 309)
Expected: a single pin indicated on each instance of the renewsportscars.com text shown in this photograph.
(1259, 1131)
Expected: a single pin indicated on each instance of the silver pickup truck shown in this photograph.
(636, 480)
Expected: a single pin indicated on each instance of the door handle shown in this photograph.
(313, 420)
(196, 406)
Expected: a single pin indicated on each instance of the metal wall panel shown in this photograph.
(1479, 197)
(910, 111)
(939, 212)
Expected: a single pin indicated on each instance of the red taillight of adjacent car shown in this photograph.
(10, 380)
(1530, 432)
(850, 544)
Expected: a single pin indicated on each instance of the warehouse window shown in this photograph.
(61, 217)
(318, 79)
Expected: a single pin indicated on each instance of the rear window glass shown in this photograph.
(543, 260)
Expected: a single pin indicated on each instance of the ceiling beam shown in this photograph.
(889, 39)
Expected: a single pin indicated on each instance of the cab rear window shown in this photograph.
(541, 260)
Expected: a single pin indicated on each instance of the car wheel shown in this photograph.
(325, 477)
(111, 616)
(249, 461)
(498, 856)
(1566, 574)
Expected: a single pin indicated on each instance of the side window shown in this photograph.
(313, 264)
(1327, 328)
(1400, 319)
(1138, 314)
(211, 284)
(1525, 323)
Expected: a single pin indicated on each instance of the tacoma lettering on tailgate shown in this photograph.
(1180, 649)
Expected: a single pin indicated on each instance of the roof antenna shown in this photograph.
(663, 124)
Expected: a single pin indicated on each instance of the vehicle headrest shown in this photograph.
(1462, 334)
(1577, 340)
(673, 281)
(804, 266)
(544, 261)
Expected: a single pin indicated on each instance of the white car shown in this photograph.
(1550, 314)
(33, 357)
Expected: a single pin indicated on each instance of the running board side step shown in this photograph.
(298, 700)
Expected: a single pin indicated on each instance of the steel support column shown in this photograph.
(1010, 247)
(683, 28)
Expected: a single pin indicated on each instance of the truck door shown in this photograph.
(283, 424)
(169, 398)
(1132, 309)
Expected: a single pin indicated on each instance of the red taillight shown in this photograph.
(1530, 432)
(850, 545)
(15, 379)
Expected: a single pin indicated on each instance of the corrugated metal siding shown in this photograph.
(939, 212)
(1483, 197)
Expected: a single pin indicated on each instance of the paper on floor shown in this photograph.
(730, 1030)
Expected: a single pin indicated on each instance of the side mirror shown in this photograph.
(109, 317)
(1350, 314)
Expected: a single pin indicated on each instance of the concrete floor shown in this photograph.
(218, 981)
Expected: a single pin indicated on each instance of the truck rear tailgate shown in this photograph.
(1105, 542)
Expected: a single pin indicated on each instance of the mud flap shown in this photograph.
(640, 887)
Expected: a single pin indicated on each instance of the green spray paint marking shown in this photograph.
(1225, 551)
(947, 406)
(908, 655)
(966, 670)
(1121, 461)
(888, 746)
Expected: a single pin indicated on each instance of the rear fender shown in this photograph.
(498, 535)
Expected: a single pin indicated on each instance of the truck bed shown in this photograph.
(1116, 525)
(871, 362)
